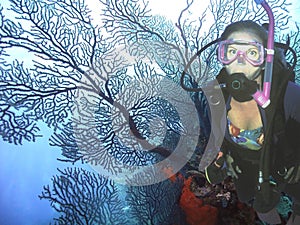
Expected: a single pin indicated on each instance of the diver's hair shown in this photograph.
(247, 26)
(260, 31)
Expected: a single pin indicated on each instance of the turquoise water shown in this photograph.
(24, 170)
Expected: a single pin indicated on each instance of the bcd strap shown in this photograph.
(266, 196)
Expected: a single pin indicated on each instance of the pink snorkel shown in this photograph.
(263, 97)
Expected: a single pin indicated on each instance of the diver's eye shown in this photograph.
(231, 52)
(253, 54)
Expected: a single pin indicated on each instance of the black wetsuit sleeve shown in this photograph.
(292, 114)
(292, 102)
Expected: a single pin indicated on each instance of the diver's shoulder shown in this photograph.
(293, 87)
(292, 94)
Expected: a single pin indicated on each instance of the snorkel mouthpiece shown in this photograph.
(263, 98)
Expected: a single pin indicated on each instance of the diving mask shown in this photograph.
(230, 50)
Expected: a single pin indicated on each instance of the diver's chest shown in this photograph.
(245, 116)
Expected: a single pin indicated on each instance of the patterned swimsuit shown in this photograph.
(250, 139)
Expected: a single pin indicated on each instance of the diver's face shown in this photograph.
(244, 53)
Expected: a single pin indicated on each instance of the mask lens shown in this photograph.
(253, 54)
(229, 51)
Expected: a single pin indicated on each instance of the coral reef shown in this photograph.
(82, 197)
(206, 204)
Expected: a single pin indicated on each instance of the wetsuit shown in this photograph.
(245, 148)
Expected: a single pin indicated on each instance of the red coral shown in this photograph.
(196, 212)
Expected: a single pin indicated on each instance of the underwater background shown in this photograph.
(29, 177)
(23, 172)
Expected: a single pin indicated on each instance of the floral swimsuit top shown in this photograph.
(250, 139)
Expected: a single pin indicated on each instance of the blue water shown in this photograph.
(23, 172)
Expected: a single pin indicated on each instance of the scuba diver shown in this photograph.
(261, 147)
(258, 140)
